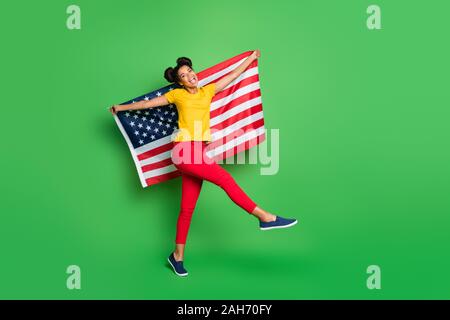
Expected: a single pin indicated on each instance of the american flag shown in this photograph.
(236, 122)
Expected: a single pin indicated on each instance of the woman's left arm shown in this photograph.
(222, 83)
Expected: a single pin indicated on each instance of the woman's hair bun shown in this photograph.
(169, 74)
(184, 61)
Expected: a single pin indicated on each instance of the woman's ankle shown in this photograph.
(177, 256)
(267, 217)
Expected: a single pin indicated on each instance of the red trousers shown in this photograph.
(190, 158)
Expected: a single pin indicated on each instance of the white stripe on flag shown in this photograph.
(159, 157)
(235, 142)
(152, 145)
(234, 111)
(212, 153)
(221, 73)
(240, 92)
(159, 171)
(236, 125)
(215, 136)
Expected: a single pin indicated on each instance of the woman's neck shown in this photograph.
(191, 90)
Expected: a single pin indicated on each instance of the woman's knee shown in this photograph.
(186, 211)
(225, 179)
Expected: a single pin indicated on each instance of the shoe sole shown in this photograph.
(180, 274)
(280, 227)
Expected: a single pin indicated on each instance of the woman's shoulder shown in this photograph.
(173, 94)
(209, 85)
(209, 88)
(176, 90)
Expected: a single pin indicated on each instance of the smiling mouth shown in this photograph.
(192, 81)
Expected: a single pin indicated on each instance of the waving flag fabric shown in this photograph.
(236, 122)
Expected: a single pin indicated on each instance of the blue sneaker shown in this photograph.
(278, 223)
(177, 266)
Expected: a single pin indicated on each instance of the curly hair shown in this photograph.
(171, 74)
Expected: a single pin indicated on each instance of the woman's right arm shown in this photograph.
(144, 104)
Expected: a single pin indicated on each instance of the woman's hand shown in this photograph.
(224, 81)
(256, 54)
(113, 109)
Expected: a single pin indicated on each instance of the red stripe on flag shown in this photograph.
(241, 115)
(155, 151)
(235, 102)
(157, 165)
(225, 64)
(237, 133)
(241, 147)
(244, 82)
(163, 177)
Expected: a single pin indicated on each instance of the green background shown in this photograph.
(364, 152)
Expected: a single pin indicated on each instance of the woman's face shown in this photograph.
(187, 77)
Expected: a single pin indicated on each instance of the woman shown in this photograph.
(189, 145)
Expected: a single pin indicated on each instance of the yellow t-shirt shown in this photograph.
(193, 112)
